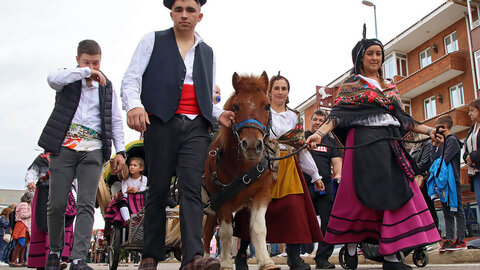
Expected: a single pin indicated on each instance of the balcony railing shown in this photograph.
(438, 72)
(461, 120)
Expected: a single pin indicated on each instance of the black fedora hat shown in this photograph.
(168, 3)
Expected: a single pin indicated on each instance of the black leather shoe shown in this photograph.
(324, 264)
(351, 261)
(53, 262)
(241, 262)
(81, 265)
(395, 265)
(297, 263)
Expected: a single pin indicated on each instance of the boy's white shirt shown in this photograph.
(88, 110)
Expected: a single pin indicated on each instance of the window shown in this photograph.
(425, 58)
(477, 64)
(456, 96)
(302, 115)
(451, 43)
(401, 64)
(395, 64)
(389, 67)
(430, 109)
(475, 18)
(407, 106)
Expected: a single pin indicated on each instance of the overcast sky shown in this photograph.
(309, 41)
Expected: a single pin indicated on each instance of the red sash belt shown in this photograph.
(188, 101)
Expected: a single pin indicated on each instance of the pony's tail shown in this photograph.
(173, 237)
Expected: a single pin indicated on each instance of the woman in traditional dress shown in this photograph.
(377, 198)
(37, 179)
(290, 217)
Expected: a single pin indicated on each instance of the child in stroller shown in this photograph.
(131, 198)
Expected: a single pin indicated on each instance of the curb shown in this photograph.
(434, 257)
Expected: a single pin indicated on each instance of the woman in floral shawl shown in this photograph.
(290, 217)
(377, 198)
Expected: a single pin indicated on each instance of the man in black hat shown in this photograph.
(167, 92)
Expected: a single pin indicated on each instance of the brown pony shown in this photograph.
(234, 152)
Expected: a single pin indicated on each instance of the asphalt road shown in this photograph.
(175, 266)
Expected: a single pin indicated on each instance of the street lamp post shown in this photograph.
(370, 4)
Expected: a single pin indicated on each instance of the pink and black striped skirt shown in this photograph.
(409, 226)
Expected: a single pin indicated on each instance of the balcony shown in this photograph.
(438, 72)
(461, 120)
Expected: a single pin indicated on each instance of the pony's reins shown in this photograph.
(362, 145)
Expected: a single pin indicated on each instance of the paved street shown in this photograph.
(175, 266)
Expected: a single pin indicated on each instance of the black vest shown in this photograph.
(66, 103)
(164, 76)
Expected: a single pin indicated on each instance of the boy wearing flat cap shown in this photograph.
(167, 92)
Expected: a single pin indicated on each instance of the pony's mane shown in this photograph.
(246, 82)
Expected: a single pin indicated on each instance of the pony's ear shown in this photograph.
(264, 76)
(235, 79)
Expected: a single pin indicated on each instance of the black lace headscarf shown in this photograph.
(359, 51)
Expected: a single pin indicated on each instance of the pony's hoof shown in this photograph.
(269, 266)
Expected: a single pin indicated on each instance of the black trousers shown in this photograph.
(179, 147)
(430, 204)
(323, 207)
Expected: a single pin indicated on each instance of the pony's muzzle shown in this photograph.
(252, 148)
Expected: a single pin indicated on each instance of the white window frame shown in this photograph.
(429, 103)
(426, 56)
(477, 67)
(302, 115)
(451, 40)
(392, 60)
(476, 23)
(389, 62)
(404, 57)
(407, 104)
(460, 96)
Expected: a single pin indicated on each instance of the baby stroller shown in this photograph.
(118, 236)
(370, 251)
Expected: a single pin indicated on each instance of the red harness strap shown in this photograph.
(188, 101)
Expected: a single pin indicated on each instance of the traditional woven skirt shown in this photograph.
(409, 226)
(134, 201)
(39, 249)
(290, 219)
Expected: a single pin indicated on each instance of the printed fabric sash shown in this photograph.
(82, 138)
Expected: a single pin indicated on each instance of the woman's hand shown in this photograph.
(319, 185)
(437, 137)
(469, 161)
(31, 186)
(313, 140)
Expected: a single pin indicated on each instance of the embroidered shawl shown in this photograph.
(359, 100)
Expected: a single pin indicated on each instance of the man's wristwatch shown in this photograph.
(124, 155)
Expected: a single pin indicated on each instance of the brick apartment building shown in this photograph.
(436, 66)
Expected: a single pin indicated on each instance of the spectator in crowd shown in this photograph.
(21, 232)
(4, 233)
(325, 157)
(451, 213)
(471, 148)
